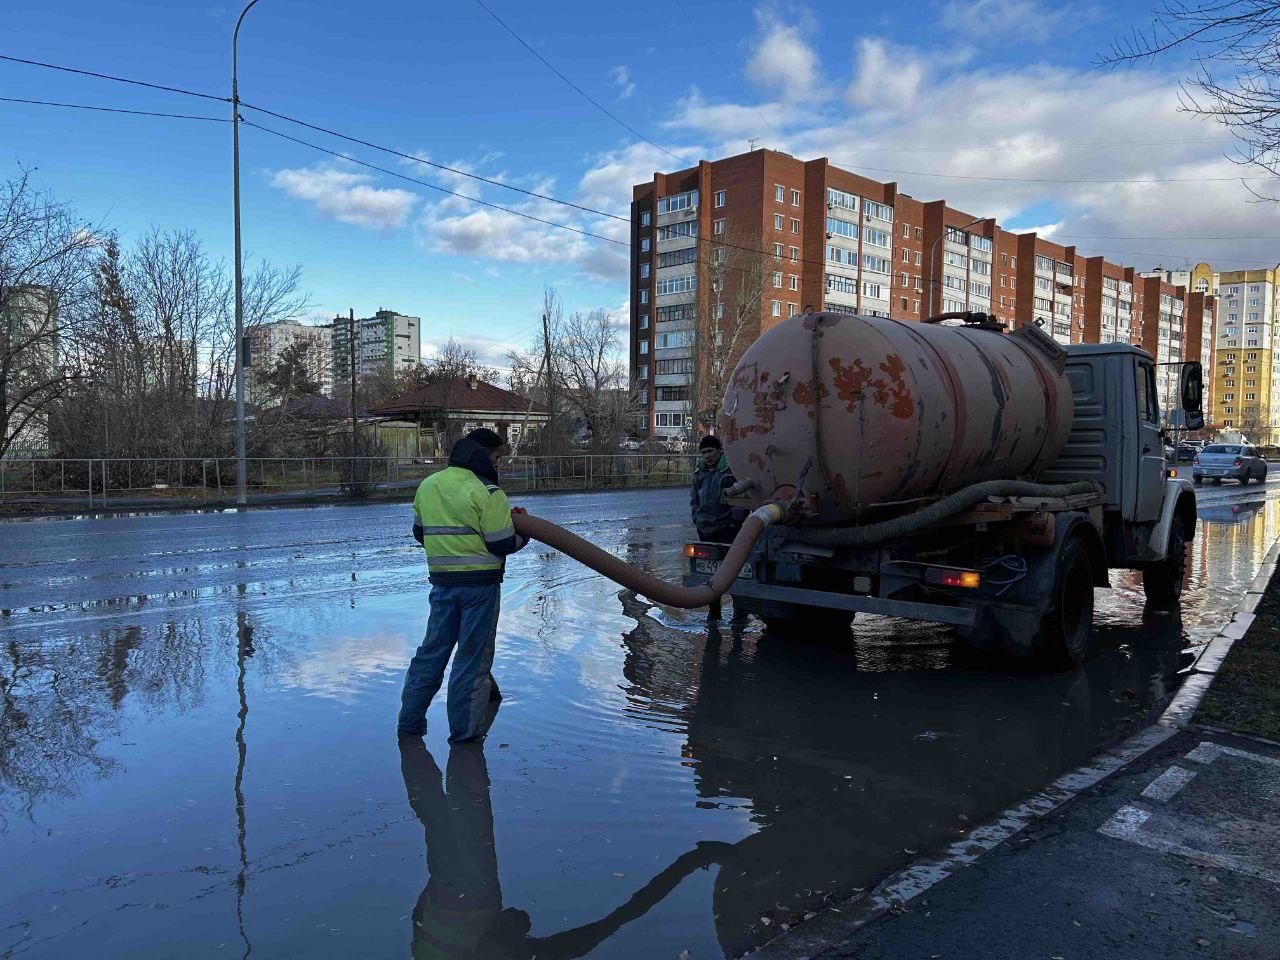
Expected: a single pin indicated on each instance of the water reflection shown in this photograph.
(847, 773)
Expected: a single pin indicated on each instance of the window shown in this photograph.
(980, 267)
(779, 193)
(980, 289)
(644, 347)
(1041, 303)
(874, 290)
(645, 219)
(717, 256)
(1254, 316)
(644, 294)
(679, 365)
(795, 225)
(644, 271)
(917, 258)
(839, 284)
(672, 393)
(838, 227)
(793, 282)
(841, 256)
(777, 281)
(643, 321)
(717, 227)
(775, 309)
(877, 264)
(778, 221)
(838, 198)
(644, 244)
(906, 255)
(795, 254)
(906, 235)
(686, 228)
(954, 283)
(1250, 396)
(642, 372)
(915, 306)
(670, 285)
(795, 198)
(954, 259)
(721, 197)
(777, 251)
(980, 243)
(672, 420)
(1004, 259)
(877, 237)
(677, 202)
(791, 309)
(957, 236)
(676, 338)
(1002, 303)
(904, 302)
(1255, 302)
(881, 210)
(678, 312)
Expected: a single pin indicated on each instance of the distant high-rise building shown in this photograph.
(269, 340)
(385, 341)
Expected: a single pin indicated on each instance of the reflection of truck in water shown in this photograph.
(1231, 512)
(954, 474)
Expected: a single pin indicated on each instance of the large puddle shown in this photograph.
(197, 754)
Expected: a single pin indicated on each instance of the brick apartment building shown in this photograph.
(826, 238)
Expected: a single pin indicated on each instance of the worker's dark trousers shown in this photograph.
(465, 617)
(723, 535)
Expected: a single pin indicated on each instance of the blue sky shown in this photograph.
(972, 88)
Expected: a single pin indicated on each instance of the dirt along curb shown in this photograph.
(1260, 604)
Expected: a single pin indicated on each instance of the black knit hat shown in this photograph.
(486, 438)
(710, 441)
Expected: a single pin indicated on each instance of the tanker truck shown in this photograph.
(951, 473)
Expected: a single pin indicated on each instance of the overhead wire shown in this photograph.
(582, 93)
(87, 106)
(534, 194)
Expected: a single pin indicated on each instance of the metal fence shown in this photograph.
(99, 482)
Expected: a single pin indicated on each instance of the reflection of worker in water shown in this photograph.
(459, 913)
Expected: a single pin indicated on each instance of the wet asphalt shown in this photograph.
(197, 754)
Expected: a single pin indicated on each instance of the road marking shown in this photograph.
(1205, 752)
(1128, 822)
(1164, 787)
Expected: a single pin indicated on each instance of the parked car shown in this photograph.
(1234, 461)
(631, 445)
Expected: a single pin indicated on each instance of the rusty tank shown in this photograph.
(886, 411)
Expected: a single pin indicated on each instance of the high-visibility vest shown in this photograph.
(465, 523)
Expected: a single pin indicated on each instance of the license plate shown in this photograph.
(711, 566)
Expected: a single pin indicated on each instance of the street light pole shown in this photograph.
(241, 497)
(933, 262)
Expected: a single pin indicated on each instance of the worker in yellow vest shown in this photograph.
(463, 521)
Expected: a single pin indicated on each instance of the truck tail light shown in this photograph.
(1196, 462)
(1237, 462)
(947, 577)
(702, 551)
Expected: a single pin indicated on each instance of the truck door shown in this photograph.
(1151, 465)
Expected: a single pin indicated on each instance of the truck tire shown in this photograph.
(1162, 581)
(1066, 632)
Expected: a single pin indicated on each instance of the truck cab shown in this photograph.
(1012, 572)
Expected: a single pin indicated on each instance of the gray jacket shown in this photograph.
(704, 497)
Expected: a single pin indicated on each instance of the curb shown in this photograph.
(834, 925)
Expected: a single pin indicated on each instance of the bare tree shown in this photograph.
(592, 378)
(727, 318)
(1232, 37)
(44, 282)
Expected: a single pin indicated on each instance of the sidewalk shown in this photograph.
(1178, 855)
(1167, 846)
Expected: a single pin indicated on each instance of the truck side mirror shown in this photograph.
(1192, 390)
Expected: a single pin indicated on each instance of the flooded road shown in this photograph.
(197, 751)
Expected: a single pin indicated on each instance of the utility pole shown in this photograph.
(241, 497)
(551, 400)
(351, 364)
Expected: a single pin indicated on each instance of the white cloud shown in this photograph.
(622, 77)
(987, 21)
(347, 196)
(783, 63)
(490, 351)
(885, 76)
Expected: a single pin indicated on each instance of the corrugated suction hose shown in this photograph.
(659, 591)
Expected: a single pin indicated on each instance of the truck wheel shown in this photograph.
(1162, 580)
(1066, 632)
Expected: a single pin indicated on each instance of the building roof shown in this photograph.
(308, 407)
(458, 393)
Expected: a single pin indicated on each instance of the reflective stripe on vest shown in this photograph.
(447, 531)
(480, 562)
